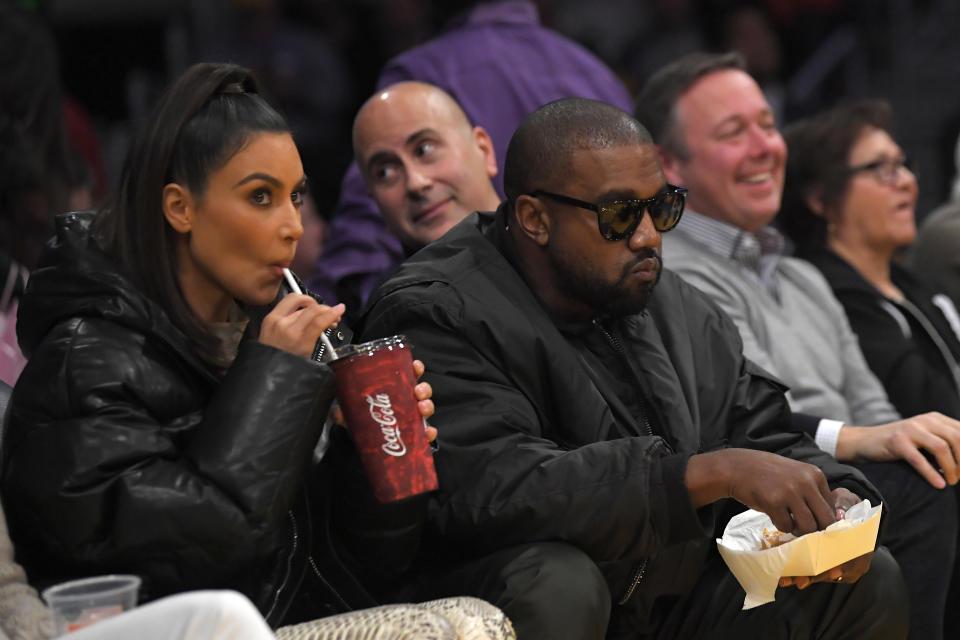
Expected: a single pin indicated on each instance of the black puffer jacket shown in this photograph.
(536, 444)
(911, 345)
(124, 451)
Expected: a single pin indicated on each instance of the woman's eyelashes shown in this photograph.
(263, 196)
(297, 196)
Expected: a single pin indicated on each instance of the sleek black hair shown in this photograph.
(817, 160)
(541, 149)
(203, 120)
(656, 102)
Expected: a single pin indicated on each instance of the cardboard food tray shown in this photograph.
(759, 570)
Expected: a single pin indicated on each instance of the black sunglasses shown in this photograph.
(619, 219)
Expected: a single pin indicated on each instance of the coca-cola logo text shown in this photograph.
(382, 413)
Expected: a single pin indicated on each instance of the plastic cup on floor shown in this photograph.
(81, 603)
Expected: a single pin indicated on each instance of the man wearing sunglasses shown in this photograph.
(717, 136)
(598, 422)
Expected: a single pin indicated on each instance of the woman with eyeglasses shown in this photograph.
(849, 206)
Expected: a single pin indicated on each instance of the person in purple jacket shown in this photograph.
(499, 64)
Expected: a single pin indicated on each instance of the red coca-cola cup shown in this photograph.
(375, 386)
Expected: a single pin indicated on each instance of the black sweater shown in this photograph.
(910, 345)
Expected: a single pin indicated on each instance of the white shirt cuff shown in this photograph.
(828, 432)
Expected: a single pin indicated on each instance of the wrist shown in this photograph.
(848, 443)
(707, 477)
(828, 431)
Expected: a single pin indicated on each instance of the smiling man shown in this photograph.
(717, 136)
(424, 164)
(598, 422)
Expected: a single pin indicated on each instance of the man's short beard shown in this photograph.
(609, 299)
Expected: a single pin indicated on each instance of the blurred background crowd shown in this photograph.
(319, 59)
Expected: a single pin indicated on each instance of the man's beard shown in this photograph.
(611, 299)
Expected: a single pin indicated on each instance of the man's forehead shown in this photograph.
(727, 94)
(629, 171)
(396, 114)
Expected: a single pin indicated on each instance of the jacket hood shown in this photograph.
(76, 279)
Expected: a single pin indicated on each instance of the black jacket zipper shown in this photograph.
(325, 522)
(648, 429)
(319, 350)
(286, 577)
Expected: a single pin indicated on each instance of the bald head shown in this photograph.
(401, 100)
(542, 147)
(423, 162)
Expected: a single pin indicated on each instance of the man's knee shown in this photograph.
(909, 497)
(554, 590)
(880, 598)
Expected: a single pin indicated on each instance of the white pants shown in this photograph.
(194, 615)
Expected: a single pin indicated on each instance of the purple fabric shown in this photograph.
(12, 361)
(500, 65)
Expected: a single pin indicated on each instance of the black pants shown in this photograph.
(554, 591)
(874, 607)
(951, 621)
(549, 590)
(921, 533)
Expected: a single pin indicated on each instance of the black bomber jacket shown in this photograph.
(536, 446)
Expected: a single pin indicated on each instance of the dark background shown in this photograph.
(319, 59)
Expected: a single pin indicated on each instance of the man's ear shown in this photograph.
(671, 166)
(178, 207)
(485, 145)
(533, 219)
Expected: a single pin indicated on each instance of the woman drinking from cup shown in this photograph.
(167, 420)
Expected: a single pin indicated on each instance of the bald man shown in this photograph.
(425, 165)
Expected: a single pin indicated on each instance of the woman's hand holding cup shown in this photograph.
(424, 393)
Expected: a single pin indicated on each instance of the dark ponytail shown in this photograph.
(202, 121)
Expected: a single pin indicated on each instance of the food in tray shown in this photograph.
(773, 538)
